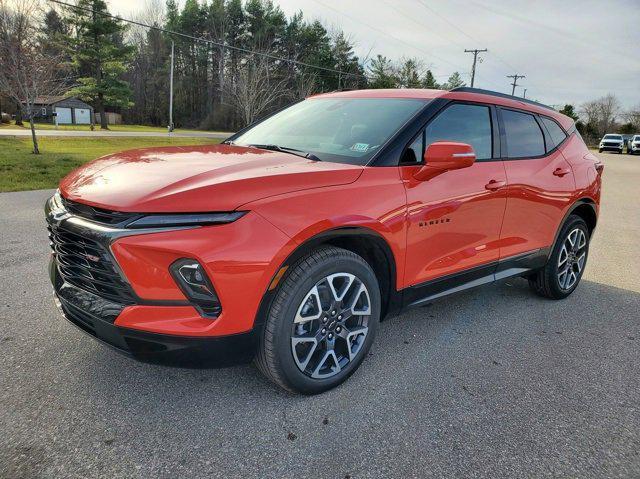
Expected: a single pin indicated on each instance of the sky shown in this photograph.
(570, 51)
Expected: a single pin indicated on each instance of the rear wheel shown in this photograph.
(563, 271)
(322, 322)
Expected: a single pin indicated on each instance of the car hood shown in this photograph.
(197, 179)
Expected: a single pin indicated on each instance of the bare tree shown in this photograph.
(254, 90)
(602, 113)
(306, 84)
(27, 72)
(633, 116)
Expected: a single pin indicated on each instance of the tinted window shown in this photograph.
(524, 136)
(345, 130)
(469, 124)
(557, 134)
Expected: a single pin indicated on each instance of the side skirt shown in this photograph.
(514, 266)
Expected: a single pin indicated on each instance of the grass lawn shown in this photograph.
(22, 170)
(50, 126)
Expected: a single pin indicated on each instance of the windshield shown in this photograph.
(636, 138)
(344, 130)
(612, 137)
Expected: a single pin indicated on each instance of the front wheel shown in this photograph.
(321, 323)
(563, 271)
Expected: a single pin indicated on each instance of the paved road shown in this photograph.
(111, 133)
(494, 382)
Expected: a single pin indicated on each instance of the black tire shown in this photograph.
(600, 150)
(546, 282)
(275, 358)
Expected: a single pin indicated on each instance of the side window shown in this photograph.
(557, 134)
(469, 124)
(524, 136)
(415, 152)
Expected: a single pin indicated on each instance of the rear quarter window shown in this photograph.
(524, 136)
(556, 133)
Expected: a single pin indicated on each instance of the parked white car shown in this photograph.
(611, 142)
(633, 146)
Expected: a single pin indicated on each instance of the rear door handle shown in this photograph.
(494, 185)
(561, 172)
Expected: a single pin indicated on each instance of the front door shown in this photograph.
(454, 219)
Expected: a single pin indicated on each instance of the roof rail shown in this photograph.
(501, 95)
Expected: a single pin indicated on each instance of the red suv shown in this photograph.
(289, 242)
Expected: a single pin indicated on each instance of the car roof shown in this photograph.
(460, 94)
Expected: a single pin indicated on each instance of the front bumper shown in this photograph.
(611, 147)
(95, 315)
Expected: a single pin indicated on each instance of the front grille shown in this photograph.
(88, 265)
(617, 145)
(98, 215)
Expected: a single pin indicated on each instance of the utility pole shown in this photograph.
(515, 82)
(524, 94)
(171, 88)
(475, 58)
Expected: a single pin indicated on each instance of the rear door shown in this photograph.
(541, 182)
(454, 219)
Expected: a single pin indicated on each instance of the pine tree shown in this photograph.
(570, 111)
(454, 81)
(53, 34)
(381, 73)
(100, 57)
(429, 81)
(408, 75)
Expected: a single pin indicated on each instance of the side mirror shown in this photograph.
(443, 156)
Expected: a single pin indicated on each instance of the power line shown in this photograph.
(205, 40)
(357, 20)
(515, 82)
(475, 58)
(456, 27)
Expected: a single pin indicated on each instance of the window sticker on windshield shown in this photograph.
(360, 147)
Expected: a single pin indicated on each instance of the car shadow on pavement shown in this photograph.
(408, 344)
(491, 380)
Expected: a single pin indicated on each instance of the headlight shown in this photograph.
(196, 219)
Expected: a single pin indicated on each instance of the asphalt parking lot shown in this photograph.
(494, 382)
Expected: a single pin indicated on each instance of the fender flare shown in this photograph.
(577, 204)
(394, 300)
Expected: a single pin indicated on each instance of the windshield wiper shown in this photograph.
(285, 149)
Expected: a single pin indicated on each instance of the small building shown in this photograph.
(69, 110)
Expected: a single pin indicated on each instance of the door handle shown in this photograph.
(494, 185)
(561, 172)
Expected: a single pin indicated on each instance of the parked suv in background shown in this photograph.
(611, 142)
(633, 146)
(293, 239)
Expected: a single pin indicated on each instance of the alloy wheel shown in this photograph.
(331, 325)
(572, 258)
